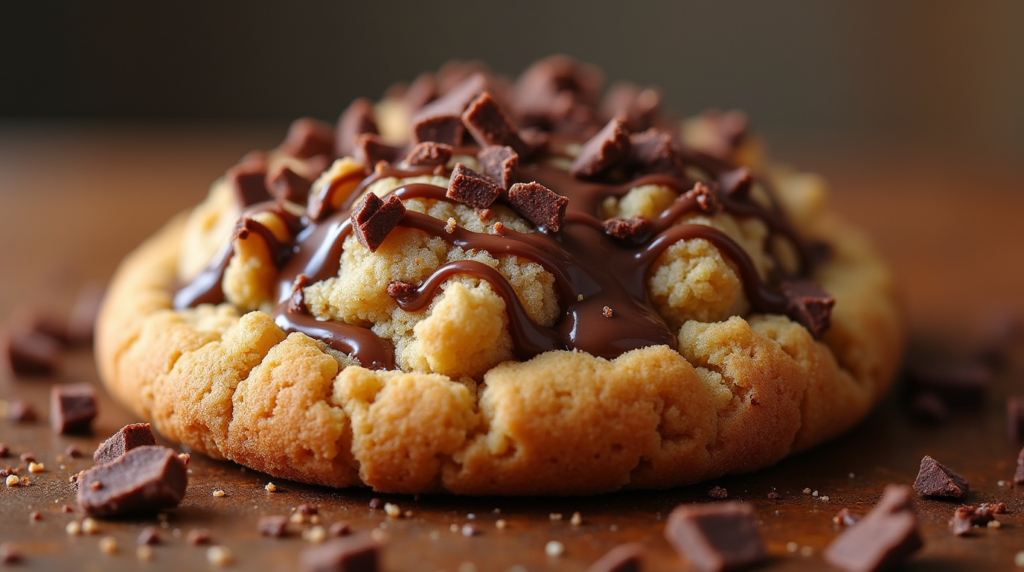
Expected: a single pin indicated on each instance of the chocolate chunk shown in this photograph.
(370, 149)
(726, 131)
(549, 92)
(72, 408)
(622, 558)
(489, 125)
(887, 535)
(82, 319)
(148, 536)
(339, 529)
(539, 204)
(429, 153)
(420, 92)
(359, 553)
(287, 185)
(809, 305)
(198, 536)
(273, 526)
(356, 120)
(374, 219)
(633, 230)
(471, 188)
(441, 120)
(718, 536)
(1015, 418)
(608, 148)
(737, 183)
(145, 479)
(499, 163)
(398, 289)
(718, 493)
(127, 438)
(967, 517)
(937, 480)
(1018, 476)
(21, 411)
(639, 107)
(308, 137)
(959, 385)
(33, 353)
(653, 151)
(926, 407)
(704, 197)
(248, 180)
(40, 322)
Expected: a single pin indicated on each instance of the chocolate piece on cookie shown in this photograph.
(441, 120)
(809, 305)
(630, 230)
(145, 479)
(428, 154)
(539, 204)
(737, 183)
(609, 147)
(499, 162)
(887, 535)
(471, 188)
(358, 553)
(248, 180)
(357, 119)
(653, 151)
(714, 537)
(308, 137)
(287, 185)
(374, 219)
(639, 107)
(489, 125)
(967, 517)
(127, 438)
(370, 149)
(937, 480)
(72, 408)
(623, 558)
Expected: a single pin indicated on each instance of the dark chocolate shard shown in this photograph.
(145, 479)
(557, 92)
(374, 219)
(623, 558)
(608, 148)
(370, 149)
(441, 120)
(937, 480)
(887, 535)
(127, 438)
(809, 305)
(718, 536)
(273, 526)
(960, 385)
(287, 185)
(489, 125)
(248, 180)
(1015, 418)
(633, 230)
(639, 107)
(737, 183)
(471, 188)
(428, 153)
(31, 353)
(706, 199)
(357, 553)
(653, 151)
(539, 204)
(500, 163)
(21, 411)
(72, 408)
(357, 119)
(1018, 476)
(308, 137)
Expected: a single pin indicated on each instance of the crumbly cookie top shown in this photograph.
(566, 209)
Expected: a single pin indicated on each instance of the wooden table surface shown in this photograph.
(75, 200)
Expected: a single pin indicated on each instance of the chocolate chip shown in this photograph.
(967, 517)
(82, 320)
(1015, 418)
(441, 120)
(359, 553)
(127, 438)
(148, 536)
(1018, 476)
(608, 148)
(198, 536)
(926, 407)
(429, 153)
(535, 139)
(718, 536)
(622, 558)
(248, 180)
(374, 219)
(72, 408)
(287, 185)
(370, 149)
(21, 411)
(471, 188)
(339, 529)
(809, 305)
(499, 163)
(718, 493)
(356, 120)
(639, 107)
(308, 137)
(489, 125)
(737, 183)
(540, 205)
(273, 526)
(887, 535)
(633, 230)
(33, 353)
(653, 151)
(959, 385)
(705, 199)
(144, 479)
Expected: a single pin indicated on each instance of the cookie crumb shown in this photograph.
(90, 526)
(806, 551)
(607, 312)
(501, 524)
(554, 549)
(1002, 483)
(824, 498)
(36, 467)
(579, 297)
(316, 534)
(12, 480)
(576, 519)
(73, 528)
(555, 516)
(108, 545)
(218, 493)
(807, 491)
(450, 225)
(392, 510)
(297, 518)
(185, 458)
(994, 524)
(219, 555)
(271, 488)
(144, 552)
(814, 494)
(792, 547)
(718, 493)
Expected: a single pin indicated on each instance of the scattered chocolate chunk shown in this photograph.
(82, 320)
(144, 479)
(339, 529)
(307, 509)
(31, 353)
(359, 553)
(845, 518)
(429, 153)
(622, 558)
(127, 438)
(489, 125)
(632, 230)
(398, 289)
(287, 185)
(374, 219)
(737, 183)
(937, 480)
(887, 535)
(72, 408)
(809, 305)
(21, 411)
(273, 526)
(308, 137)
(704, 197)
(148, 536)
(370, 149)
(653, 151)
(926, 407)
(959, 385)
(718, 493)
(639, 107)
(248, 180)
(967, 517)
(441, 120)
(471, 188)
(558, 93)
(608, 148)
(499, 163)
(718, 536)
(1018, 476)
(726, 131)
(9, 554)
(357, 119)
(198, 536)
(1015, 418)
(35, 515)
(540, 205)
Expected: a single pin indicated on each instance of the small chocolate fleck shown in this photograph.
(35, 515)
(148, 536)
(28, 457)
(72, 408)
(356, 120)
(4, 450)
(428, 153)
(273, 526)
(966, 517)
(307, 509)
(539, 204)
(21, 411)
(490, 125)
(398, 289)
(66, 508)
(608, 148)
(73, 451)
(9, 554)
(287, 185)
(887, 535)
(716, 536)
(809, 305)
(622, 558)
(126, 439)
(471, 188)
(499, 163)
(308, 137)
(718, 493)
(32, 353)
(373, 219)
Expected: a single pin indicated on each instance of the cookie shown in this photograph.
(556, 301)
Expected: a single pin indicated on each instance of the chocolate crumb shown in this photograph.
(706, 199)
(35, 515)
(287, 185)
(967, 517)
(248, 180)
(937, 480)
(773, 495)
(540, 205)
(608, 148)
(716, 536)
(273, 526)
(490, 125)
(499, 163)
(307, 509)
(373, 219)
(4, 450)
(27, 457)
(737, 183)
(398, 289)
(809, 305)
(472, 188)
(718, 493)
(357, 119)
(633, 230)
(32, 354)
(622, 558)
(308, 137)
(66, 508)
(887, 535)
(429, 153)
(358, 553)
(72, 408)
(148, 536)
(126, 439)
(339, 529)
(198, 536)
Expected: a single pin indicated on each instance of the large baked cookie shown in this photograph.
(487, 287)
